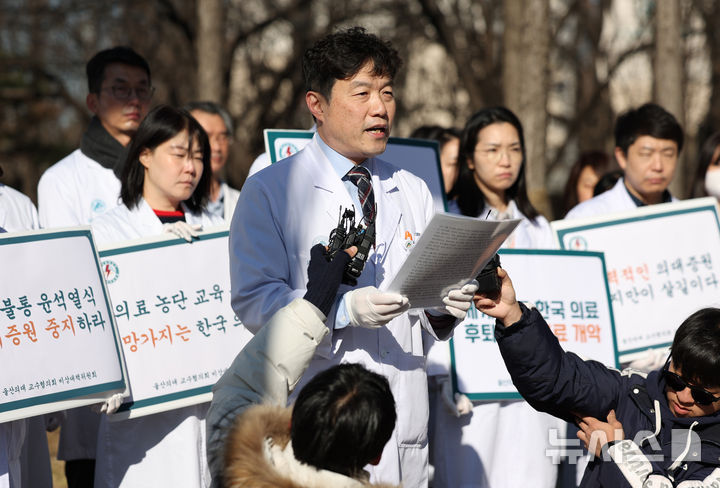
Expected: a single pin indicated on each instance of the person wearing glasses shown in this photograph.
(660, 429)
(84, 185)
(219, 128)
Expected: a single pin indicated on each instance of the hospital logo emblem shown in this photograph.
(578, 243)
(286, 149)
(98, 206)
(110, 271)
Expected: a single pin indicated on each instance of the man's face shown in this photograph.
(356, 121)
(121, 115)
(649, 167)
(218, 135)
(682, 404)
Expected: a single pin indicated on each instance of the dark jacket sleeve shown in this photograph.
(550, 379)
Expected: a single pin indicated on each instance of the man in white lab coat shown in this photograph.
(290, 206)
(648, 141)
(84, 185)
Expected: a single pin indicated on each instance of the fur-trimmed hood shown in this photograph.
(258, 454)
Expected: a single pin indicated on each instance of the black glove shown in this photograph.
(324, 277)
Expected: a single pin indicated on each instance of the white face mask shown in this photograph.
(712, 183)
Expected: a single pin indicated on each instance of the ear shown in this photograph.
(145, 157)
(470, 164)
(620, 158)
(316, 103)
(92, 102)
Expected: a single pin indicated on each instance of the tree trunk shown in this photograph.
(669, 73)
(593, 98)
(525, 81)
(209, 46)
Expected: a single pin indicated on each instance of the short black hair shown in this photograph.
(342, 419)
(95, 68)
(470, 197)
(647, 120)
(607, 181)
(696, 348)
(162, 124)
(341, 55)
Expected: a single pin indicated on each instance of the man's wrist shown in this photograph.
(513, 316)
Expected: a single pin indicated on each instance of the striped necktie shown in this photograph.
(361, 178)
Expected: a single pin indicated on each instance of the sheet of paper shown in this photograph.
(452, 250)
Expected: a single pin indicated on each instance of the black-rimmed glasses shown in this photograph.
(124, 93)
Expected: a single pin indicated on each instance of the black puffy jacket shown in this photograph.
(660, 450)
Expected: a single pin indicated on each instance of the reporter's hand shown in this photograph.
(183, 230)
(324, 276)
(595, 433)
(457, 301)
(368, 307)
(504, 305)
(109, 406)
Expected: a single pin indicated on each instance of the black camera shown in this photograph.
(488, 279)
(347, 234)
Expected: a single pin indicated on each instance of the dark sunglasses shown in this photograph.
(677, 383)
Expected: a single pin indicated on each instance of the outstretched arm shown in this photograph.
(549, 378)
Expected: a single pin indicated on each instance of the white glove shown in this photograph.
(457, 301)
(457, 404)
(371, 308)
(110, 405)
(182, 229)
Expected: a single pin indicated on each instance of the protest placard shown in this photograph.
(568, 289)
(58, 347)
(661, 264)
(171, 302)
(420, 157)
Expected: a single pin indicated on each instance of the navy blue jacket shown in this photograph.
(560, 383)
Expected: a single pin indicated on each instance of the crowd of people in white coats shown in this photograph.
(141, 172)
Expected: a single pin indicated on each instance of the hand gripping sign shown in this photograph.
(171, 302)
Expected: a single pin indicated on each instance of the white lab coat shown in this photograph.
(230, 198)
(261, 162)
(500, 443)
(616, 199)
(282, 212)
(76, 190)
(164, 449)
(17, 213)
